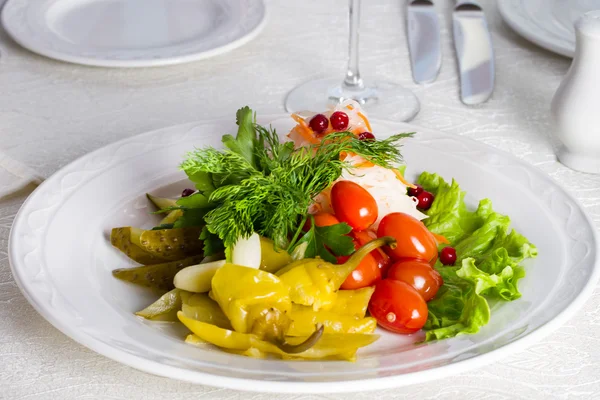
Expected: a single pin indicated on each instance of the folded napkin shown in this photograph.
(15, 176)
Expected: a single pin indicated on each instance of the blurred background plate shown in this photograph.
(132, 33)
(547, 23)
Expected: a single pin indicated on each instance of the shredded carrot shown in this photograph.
(350, 107)
(440, 238)
(366, 121)
(365, 164)
(401, 179)
(304, 129)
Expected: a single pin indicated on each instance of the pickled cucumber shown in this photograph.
(171, 244)
(161, 202)
(124, 238)
(157, 276)
(165, 308)
(171, 217)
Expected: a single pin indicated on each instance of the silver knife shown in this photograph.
(474, 52)
(424, 40)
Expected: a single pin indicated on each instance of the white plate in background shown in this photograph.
(62, 260)
(132, 33)
(547, 23)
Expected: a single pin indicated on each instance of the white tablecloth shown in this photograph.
(53, 112)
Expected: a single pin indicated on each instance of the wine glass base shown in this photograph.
(383, 100)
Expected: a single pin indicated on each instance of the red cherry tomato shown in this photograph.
(321, 219)
(413, 240)
(398, 307)
(353, 204)
(419, 275)
(367, 273)
(383, 260)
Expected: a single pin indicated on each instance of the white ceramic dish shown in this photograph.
(547, 23)
(132, 33)
(62, 260)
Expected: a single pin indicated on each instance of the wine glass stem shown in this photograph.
(353, 80)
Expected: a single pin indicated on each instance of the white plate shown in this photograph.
(132, 33)
(547, 23)
(62, 260)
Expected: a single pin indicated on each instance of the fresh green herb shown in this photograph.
(258, 184)
(245, 142)
(327, 241)
(197, 200)
(211, 242)
(191, 217)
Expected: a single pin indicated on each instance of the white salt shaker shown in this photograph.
(576, 104)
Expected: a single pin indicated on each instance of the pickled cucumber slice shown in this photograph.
(171, 244)
(171, 217)
(123, 239)
(161, 202)
(157, 276)
(163, 309)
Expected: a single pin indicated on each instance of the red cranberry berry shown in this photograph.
(339, 120)
(417, 190)
(425, 200)
(187, 192)
(366, 136)
(448, 256)
(319, 123)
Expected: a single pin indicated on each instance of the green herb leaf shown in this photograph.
(191, 217)
(203, 182)
(211, 242)
(245, 141)
(196, 200)
(327, 241)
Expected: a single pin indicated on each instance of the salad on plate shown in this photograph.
(300, 247)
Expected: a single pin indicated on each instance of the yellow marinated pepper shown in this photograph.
(271, 259)
(200, 307)
(304, 319)
(353, 302)
(315, 282)
(316, 346)
(255, 301)
(163, 309)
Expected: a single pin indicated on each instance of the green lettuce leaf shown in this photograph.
(457, 308)
(488, 253)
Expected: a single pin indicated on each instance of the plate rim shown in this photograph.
(508, 14)
(38, 48)
(258, 385)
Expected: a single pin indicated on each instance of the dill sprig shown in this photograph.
(266, 186)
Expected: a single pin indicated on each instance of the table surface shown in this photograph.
(53, 112)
